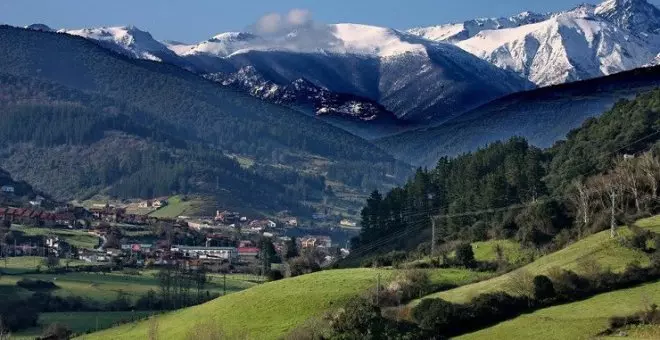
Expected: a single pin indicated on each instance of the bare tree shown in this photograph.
(609, 187)
(650, 167)
(581, 198)
(627, 172)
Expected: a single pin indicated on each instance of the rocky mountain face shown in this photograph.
(586, 42)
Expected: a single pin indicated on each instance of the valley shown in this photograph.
(385, 177)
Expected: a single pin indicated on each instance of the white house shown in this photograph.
(8, 189)
(227, 253)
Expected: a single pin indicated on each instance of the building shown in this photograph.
(347, 223)
(159, 203)
(8, 189)
(227, 217)
(248, 253)
(316, 241)
(225, 253)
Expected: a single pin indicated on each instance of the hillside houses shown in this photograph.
(311, 242)
(36, 217)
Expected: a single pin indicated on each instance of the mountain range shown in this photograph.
(79, 120)
(376, 81)
(281, 100)
(554, 48)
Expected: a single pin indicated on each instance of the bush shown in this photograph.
(33, 285)
(301, 265)
(521, 283)
(543, 288)
(465, 255)
(274, 275)
(57, 331)
(567, 284)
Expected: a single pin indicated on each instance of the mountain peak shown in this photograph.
(634, 15)
(39, 27)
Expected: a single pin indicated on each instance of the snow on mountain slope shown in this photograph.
(128, 40)
(586, 42)
(567, 47)
(415, 78)
(336, 39)
(470, 28)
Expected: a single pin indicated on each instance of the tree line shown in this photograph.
(605, 171)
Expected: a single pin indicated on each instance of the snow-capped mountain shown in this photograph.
(302, 93)
(468, 29)
(586, 42)
(415, 78)
(128, 40)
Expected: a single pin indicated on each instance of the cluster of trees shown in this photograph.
(631, 187)
(180, 286)
(542, 198)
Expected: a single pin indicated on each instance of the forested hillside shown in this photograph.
(74, 144)
(99, 121)
(541, 116)
(542, 198)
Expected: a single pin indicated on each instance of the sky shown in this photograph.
(197, 20)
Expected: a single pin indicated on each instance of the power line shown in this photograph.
(420, 226)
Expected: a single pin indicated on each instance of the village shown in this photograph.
(130, 238)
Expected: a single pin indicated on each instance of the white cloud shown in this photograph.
(269, 23)
(299, 17)
(276, 23)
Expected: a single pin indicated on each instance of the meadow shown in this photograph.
(271, 310)
(82, 322)
(598, 248)
(105, 287)
(578, 320)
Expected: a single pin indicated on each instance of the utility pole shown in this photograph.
(612, 219)
(430, 197)
(432, 236)
(224, 284)
(378, 290)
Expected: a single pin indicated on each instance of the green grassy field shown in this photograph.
(106, 287)
(78, 238)
(609, 253)
(271, 310)
(81, 322)
(176, 206)
(578, 320)
(24, 264)
(512, 251)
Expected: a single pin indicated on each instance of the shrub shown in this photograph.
(521, 283)
(543, 288)
(301, 265)
(57, 331)
(567, 284)
(274, 275)
(465, 255)
(30, 284)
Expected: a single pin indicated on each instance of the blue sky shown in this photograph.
(196, 20)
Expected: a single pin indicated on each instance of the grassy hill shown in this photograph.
(177, 206)
(607, 252)
(513, 252)
(104, 287)
(578, 320)
(271, 310)
(81, 322)
(77, 238)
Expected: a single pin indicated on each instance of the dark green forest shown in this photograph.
(555, 195)
(80, 120)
